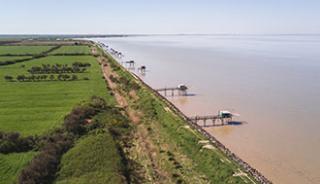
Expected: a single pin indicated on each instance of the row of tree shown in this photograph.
(76, 67)
(35, 78)
(13, 142)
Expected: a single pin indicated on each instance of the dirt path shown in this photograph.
(107, 72)
(144, 144)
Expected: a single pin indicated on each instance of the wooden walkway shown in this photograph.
(172, 91)
(210, 120)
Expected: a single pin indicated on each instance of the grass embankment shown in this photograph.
(94, 159)
(173, 148)
(97, 157)
(36, 108)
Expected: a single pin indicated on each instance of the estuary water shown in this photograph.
(272, 81)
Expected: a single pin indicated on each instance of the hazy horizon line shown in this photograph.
(161, 34)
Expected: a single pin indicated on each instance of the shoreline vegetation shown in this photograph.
(111, 128)
(249, 169)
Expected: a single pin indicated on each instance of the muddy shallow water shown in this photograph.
(273, 82)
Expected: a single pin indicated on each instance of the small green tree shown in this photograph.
(51, 77)
(74, 77)
(8, 78)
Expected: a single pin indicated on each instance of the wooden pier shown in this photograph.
(223, 118)
(210, 120)
(181, 89)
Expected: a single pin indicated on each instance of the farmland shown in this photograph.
(38, 107)
(72, 50)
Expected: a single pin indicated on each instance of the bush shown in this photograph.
(75, 121)
(8, 78)
(12, 142)
(43, 167)
(98, 103)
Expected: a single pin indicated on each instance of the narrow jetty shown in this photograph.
(181, 89)
(223, 118)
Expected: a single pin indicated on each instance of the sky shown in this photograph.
(159, 17)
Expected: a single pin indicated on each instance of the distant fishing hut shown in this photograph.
(130, 63)
(142, 69)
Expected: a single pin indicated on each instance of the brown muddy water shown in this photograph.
(273, 82)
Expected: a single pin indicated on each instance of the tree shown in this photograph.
(74, 77)
(21, 78)
(8, 78)
(66, 77)
(51, 77)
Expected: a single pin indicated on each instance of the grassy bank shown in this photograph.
(96, 158)
(176, 148)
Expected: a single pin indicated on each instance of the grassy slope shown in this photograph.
(72, 49)
(23, 49)
(94, 159)
(170, 130)
(11, 164)
(36, 107)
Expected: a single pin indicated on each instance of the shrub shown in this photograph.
(43, 167)
(74, 122)
(13, 142)
(8, 78)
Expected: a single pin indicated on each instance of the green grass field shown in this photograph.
(20, 50)
(11, 165)
(72, 50)
(32, 108)
(94, 159)
(36, 107)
